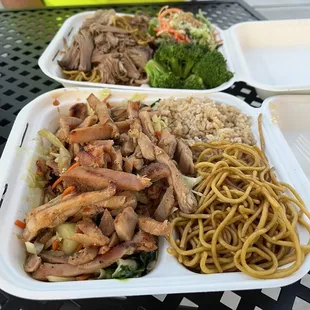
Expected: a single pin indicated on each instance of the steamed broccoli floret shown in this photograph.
(160, 77)
(212, 69)
(194, 82)
(179, 58)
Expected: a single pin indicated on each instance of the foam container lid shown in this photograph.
(169, 276)
(272, 56)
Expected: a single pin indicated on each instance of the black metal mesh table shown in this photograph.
(23, 36)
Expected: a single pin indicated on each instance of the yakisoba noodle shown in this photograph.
(246, 219)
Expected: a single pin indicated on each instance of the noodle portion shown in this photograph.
(246, 220)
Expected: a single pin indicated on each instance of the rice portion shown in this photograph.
(201, 119)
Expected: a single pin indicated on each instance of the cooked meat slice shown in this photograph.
(132, 162)
(184, 157)
(57, 211)
(107, 223)
(135, 129)
(167, 142)
(102, 111)
(147, 126)
(114, 240)
(119, 113)
(86, 159)
(101, 261)
(104, 17)
(154, 227)
(88, 178)
(155, 171)
(117, 159)
(54, 257)
(87, 134)
(144, 242)
(67, 123)
(74, 149)
(127, 144)
(91, 236)
(83, 256)
(41, 167)
(140, 55)
(71, 59)
(133, 109)
(123, 126)
(166, 204)
(86, 47)
(54, 166)
(130, 67)
(125, 224)
(89, 121)
(146, 146)
(33, 262)
(114, 202)
(45, 235)
(154, 191)
(130, 201)
(95, 27)
(186, 199)
(91, 211)
(104, 249)
(106, 144)
(78, 110)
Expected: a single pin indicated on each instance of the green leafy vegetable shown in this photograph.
(194, 82)
(160, 77)
(179, 58)
(212, 68)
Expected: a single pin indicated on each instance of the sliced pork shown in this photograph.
(88, 178)
(154, 227)
(125, 224)
(58, 211)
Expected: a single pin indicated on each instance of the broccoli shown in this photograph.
(160, 77)
(212, 69)
(194, 82)
(179, 58)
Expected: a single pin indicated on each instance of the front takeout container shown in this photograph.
(169, 276)
(272, 56)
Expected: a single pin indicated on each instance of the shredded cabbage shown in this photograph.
(192, 182)
(64, 159)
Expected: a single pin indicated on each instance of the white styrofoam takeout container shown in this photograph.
(290, 121)
(49, 65)
(168, 276)
(272, 56)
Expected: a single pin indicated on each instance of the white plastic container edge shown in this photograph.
(168, 276)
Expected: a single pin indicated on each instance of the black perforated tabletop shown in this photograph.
(24, 34)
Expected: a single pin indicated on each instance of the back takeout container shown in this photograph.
(272, 56)
(169, 276)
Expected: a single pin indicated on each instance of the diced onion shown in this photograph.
(34, 248)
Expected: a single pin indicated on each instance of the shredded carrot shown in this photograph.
(80, 247)
(157, 133)
(20, 224)
(67, 191)
(82, 277)
(60, 178)
(55, 245)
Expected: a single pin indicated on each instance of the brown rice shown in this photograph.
(201, 119)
